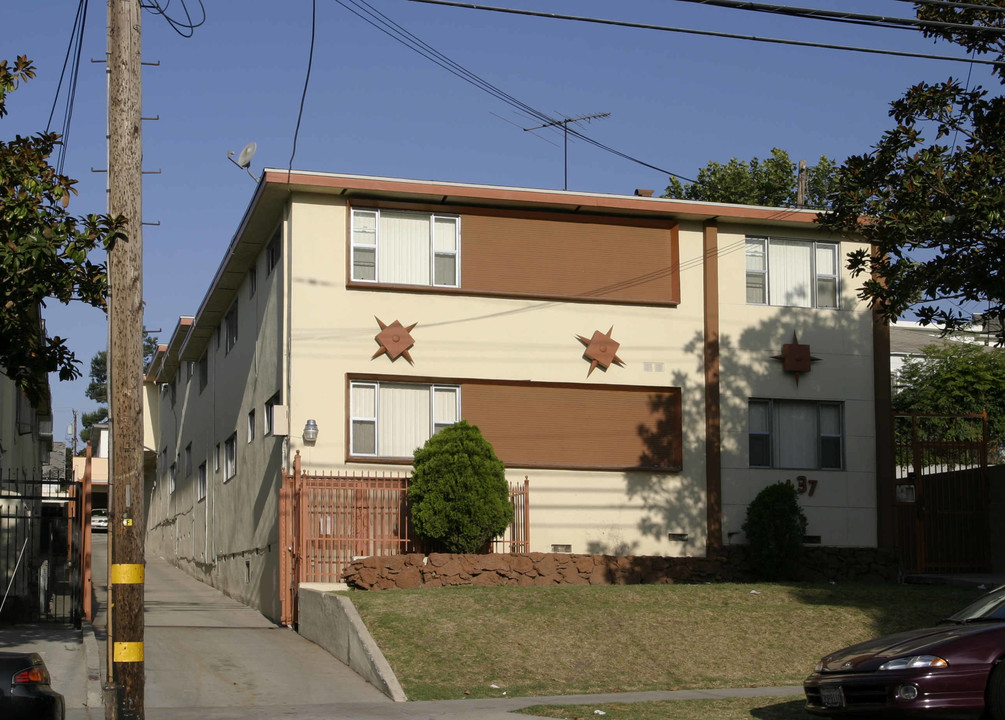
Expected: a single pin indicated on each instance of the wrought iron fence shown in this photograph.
(39, 543)
(329, 519)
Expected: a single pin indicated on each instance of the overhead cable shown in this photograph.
(307, 80)
(847, 17)
(377, 19)
(73, 51)
(708, 33)
(955, 5)
(184, 28)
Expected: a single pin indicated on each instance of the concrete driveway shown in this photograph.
(204, 650)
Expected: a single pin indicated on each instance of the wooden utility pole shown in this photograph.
(125, 363)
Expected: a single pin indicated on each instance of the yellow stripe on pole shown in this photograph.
(127, 652)
(127, 574)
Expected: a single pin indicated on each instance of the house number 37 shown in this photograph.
(804, 486)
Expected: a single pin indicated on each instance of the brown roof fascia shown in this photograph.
(461, 193)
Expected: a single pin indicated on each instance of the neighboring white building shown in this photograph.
(649, 364)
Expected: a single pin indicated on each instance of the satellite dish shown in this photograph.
(244, 159)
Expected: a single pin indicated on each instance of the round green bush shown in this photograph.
(775, 528)
(458, 492)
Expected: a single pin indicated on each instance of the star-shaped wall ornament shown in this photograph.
(601, 350)
(796, 358)
(394, 340)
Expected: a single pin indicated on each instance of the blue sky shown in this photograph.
(374, 107)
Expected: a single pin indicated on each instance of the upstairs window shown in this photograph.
(407, 248)
(796, 434)
(274, 251)
(792, 273)
(395, 419)
(230, 457)
(230, 327)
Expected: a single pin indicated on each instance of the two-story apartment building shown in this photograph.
(648, 364)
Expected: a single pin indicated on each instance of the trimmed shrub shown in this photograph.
(458, 491)
(775, 527)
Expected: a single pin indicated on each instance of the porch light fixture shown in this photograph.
(310, 432)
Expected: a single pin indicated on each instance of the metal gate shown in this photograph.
(328, 520)
(941, 506)
(40, 542)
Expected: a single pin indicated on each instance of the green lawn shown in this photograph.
(451, 643)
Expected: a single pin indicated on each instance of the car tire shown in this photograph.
(996, 693)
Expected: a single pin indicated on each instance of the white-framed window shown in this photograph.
(795, 434)
(251, 425)
(200, 485)
(409, 248)
(230, 457)
(394, 419)
(230, 327)
(792, 273)
(268, 420)
(172, 477)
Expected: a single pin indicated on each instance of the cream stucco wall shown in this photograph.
(460, 337)
(842, 508)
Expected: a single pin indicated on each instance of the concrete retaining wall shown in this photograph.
(331, 621)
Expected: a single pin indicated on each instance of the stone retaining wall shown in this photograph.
(544, 569)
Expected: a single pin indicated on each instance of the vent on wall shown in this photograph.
(652, 366)
(677, 537)
(561, 548)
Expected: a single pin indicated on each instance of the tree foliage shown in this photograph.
(458, 491)
(955, 378)
(44, 251)
(772, 182)
(775, 527)
(930, 195)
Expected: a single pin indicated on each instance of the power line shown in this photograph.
(708, 33)
(73, 49)
(846, 17)
(186, 28)
(307, 80)
(955, 5)
(378, 20)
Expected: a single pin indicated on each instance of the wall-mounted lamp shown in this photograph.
(310, 432)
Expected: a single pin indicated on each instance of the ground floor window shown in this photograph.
(394, 419)
(796, 434)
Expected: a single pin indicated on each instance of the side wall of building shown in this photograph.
(211, 425)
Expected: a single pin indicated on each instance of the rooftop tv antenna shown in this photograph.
(244, 159)
(564, 122)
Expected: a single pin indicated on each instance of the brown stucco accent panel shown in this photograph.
(571, 426)
(573, 259)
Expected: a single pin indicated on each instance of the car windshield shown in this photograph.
(990, 607)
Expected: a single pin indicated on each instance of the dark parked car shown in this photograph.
(25, 693)
(952, 670)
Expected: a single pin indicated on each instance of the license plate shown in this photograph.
(832, 697)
